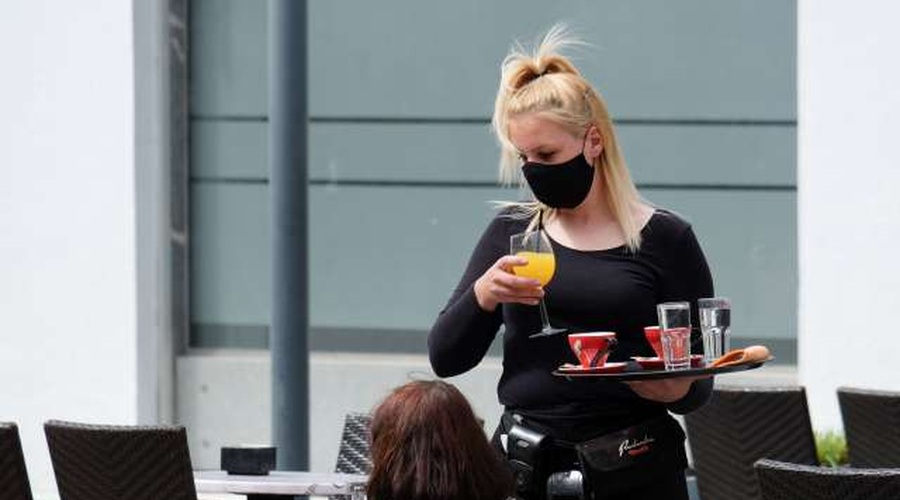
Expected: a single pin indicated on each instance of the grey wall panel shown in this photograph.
(710, 154)
(389, 257)
(405, 58)
(228, 57)
(403, 151)
(223, 149)
(230, 254)
(750, 241)
(705, 99)
(652, 58)
(657, 154)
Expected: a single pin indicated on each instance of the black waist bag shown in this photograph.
(616, 461)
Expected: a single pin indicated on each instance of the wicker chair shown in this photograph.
(740, 426)
(872, 425)
(787, 481)
(105, 462)
(354, 456)
(13, 475)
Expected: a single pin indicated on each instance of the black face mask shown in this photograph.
(563, 185)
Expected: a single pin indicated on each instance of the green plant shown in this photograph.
(831, 448)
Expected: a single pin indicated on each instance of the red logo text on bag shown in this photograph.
(635, 447)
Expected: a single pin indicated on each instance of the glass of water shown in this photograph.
(675, 334)
(715, 323)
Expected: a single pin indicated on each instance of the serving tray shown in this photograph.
(634, 372)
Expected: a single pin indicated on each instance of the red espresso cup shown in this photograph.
(652, 335)
(592, 348)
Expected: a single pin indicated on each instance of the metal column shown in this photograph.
(288, 340)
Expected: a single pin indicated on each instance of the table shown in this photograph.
(281, 485)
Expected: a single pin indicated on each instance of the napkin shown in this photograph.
(751, 354)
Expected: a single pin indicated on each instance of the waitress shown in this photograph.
(617, 256)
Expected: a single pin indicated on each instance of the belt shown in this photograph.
(628, 455)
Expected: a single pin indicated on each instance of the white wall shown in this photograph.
(67, 265)
(849, 204)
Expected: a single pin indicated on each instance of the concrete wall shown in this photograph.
(67, 231)
(848, 207)
(221, 402)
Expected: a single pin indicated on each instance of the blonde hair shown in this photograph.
(547, 83)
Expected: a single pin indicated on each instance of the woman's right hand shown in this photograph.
(498, 285)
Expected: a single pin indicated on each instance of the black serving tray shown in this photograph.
(635, 372)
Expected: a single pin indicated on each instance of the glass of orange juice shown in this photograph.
(535, 248)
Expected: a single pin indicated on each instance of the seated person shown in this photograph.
(427, 444)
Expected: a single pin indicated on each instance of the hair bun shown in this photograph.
(528, 70)
(522, 67)
(555, 63)
(525, 73)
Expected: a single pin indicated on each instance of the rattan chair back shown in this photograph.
(14, 483)
(787, 481)
(354, 456)
(872, 426)
(742, 425)
(107, 462)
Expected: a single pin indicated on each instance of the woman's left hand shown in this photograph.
(662, 390)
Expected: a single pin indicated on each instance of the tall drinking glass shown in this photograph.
(535, 248)
(675, 334)
(715, 325)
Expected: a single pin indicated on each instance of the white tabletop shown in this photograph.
(279, 483)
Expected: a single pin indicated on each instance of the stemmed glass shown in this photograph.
(535, 247)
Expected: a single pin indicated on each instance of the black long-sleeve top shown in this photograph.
(605, 290)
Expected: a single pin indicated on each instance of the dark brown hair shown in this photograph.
(427, 444)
